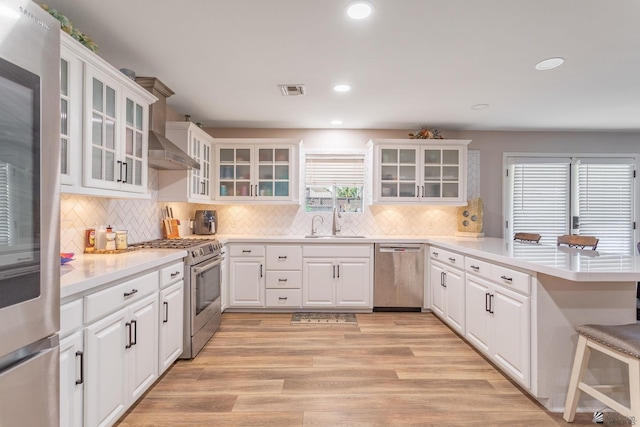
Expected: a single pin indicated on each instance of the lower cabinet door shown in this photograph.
(247, 282)
(478, 318)
(512, 339)
(105, 366)
(171, 325)
(436, 280)
(71, 380)
(353, 288)
(318, 283)
(455, 299)
(143, 353)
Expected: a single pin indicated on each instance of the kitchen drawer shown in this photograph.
(479, 267)
(120, 295)
(284, 257)
(447, 257)
(70, 317)
(246, 250)
(284, 279)
(171, 274)
(341, 251)
(284, 298)
(511, 279)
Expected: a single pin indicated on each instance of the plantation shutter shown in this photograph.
(604, 205)
(540, 196)
(341, 170)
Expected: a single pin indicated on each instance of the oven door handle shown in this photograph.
(202, 268)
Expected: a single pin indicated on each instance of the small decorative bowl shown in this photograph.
(65, 257)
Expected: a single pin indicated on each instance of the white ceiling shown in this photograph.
(414, 62)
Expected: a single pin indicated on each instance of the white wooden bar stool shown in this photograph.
(621, 342)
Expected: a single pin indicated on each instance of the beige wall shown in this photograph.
(491, 144)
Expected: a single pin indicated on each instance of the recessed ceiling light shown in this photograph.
(479, 106)
(342, 88)
(336, 122)
(550, 63)
(359, 9)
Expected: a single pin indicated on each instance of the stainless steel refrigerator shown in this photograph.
(29, 215)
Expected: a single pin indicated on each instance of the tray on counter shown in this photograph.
(107, 251)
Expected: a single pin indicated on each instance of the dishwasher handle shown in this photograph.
(401, 249)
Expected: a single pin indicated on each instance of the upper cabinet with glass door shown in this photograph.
(259, 170)
(410, 171)
(193, 185)
(111, 142)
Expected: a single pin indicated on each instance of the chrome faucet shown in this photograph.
(313, 229)
(334, 226)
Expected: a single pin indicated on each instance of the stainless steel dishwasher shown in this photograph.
(398, 283)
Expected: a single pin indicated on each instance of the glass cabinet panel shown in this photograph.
(131, 173)
(235, 172)
(103, 132)
(398, 173)
(441, 173)
(273, 172)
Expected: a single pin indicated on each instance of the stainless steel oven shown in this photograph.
(205, 305)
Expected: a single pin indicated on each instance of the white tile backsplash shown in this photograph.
(142, 218)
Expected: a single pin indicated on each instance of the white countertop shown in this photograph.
(567, 263)
(88, 271)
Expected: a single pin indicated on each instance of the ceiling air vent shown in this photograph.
(292, 90)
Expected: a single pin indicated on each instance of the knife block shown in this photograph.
(170, 229)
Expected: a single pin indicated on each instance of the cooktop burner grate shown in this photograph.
(171, 243)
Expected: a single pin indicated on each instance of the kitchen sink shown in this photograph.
(329, 236)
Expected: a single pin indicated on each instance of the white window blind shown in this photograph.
(341, 170)
(591, 196)
(605, 203)
(540, 197)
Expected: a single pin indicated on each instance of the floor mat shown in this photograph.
(323, 318)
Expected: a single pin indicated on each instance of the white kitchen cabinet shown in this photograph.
(171, 324)
(246, 276)
(419, 171)
(104, 126)
(498, 316)
(72, 380)
(193, 185)
(257, 170)
(336, 276)
(448, 287)
(122, 348)
(171, 315)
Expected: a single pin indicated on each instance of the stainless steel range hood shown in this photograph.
(163, 153)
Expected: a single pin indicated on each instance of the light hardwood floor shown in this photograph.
(393, 369)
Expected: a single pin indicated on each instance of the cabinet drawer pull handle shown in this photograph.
(491, 303)
(134, 326)
(486, 301)
(510, 279)
(120, 170)
(418, 191)
(282, 280)
(453, 260)
(133, 291)
(128, 326)
(475, 267)
(334, 271)
(435, 254)
(177, 273)
(246, 251)
(166, 312)
(203, 188)
(443, 277)
(81, 354)
(256, 190)
(282, 298)
(282, 257)
(338, 271)
(260, 270)
(423, 191)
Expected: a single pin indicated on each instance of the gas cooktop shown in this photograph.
(173, 243)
